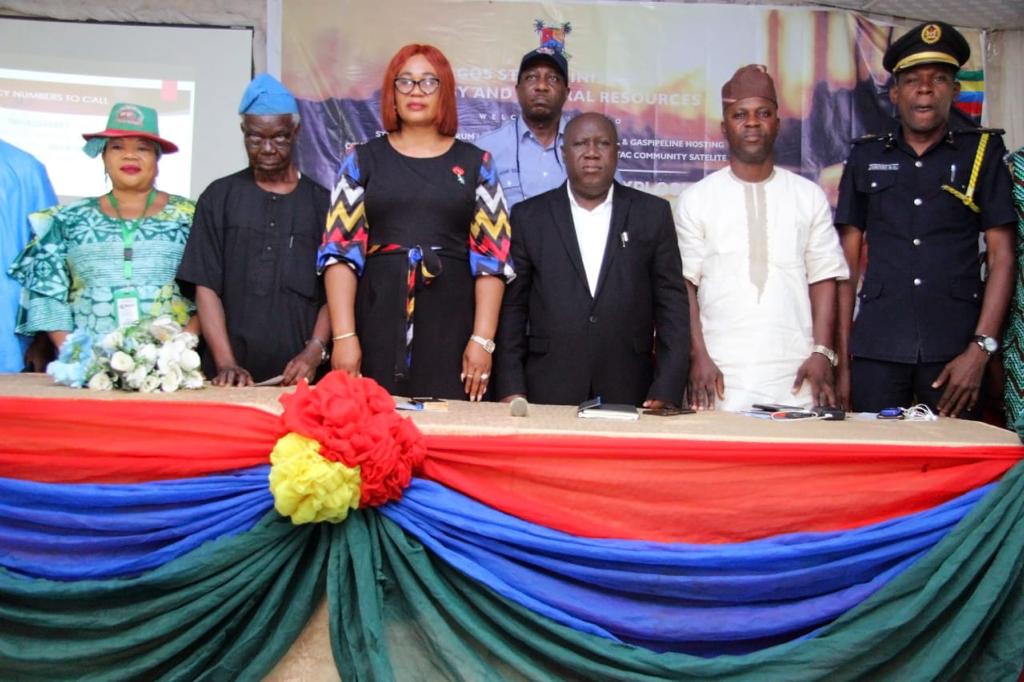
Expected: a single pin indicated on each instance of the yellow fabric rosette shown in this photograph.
(309, 488)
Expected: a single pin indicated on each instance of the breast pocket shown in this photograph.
(640, 255)
(509, 179)
(876, 185)
(300, 269)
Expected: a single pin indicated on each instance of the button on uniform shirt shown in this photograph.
(752, 249)
(592, 234)
(525, 167)
(922, 291)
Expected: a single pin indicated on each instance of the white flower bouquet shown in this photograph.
(150, 355)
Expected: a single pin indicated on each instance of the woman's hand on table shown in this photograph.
(347, 355)
(476, 370)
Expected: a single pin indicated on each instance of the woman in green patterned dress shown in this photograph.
(1013, 344)
(104, 262)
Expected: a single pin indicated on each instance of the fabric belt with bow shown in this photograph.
(424, 266)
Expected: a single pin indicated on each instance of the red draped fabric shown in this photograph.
(58, 440)
(675, 490)
(706, 491)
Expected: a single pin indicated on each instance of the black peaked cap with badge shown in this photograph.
(935, 42)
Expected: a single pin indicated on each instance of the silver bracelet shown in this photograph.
(324, 355)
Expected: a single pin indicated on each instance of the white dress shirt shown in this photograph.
(592, 234)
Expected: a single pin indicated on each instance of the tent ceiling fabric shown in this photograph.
(984, 14)
(995, 15)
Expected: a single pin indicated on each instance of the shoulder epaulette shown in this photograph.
(889, 139)
(979, 131)
(866, 138)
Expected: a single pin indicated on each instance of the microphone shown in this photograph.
(519, 407)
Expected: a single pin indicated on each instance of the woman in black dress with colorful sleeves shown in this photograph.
(416, 253)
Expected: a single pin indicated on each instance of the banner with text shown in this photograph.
(656, 69)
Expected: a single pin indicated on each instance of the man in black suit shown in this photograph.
(598, 306)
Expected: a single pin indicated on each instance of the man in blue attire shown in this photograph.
(527, 150)
(24, 188)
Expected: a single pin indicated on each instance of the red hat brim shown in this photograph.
(166, 146)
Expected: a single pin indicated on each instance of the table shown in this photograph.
(738, 481)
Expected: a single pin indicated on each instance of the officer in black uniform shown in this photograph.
(922, 193)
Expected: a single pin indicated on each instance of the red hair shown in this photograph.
(447, 121)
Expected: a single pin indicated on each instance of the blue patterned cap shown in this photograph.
(266, 96)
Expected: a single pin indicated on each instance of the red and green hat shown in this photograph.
(132, 120)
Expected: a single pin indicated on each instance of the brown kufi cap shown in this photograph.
(751, 80)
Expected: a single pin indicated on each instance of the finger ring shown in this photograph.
(485, 376)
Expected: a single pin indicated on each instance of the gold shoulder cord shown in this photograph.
(968, 197)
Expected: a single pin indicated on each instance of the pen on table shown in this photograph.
(624, 238)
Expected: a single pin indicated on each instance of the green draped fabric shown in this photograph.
(231, 609)
(227, 611)
(398, 613)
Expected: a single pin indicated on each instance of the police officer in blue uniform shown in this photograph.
(920, 195)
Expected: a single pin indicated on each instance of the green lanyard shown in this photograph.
(128, 228)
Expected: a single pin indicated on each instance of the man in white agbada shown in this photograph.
(761, 259)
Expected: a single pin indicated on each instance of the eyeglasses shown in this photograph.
(428, 85)
(277, 139)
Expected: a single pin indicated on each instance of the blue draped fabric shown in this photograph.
(700, 599)
(67, 531)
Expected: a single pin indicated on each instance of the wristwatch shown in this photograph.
(488, 344)
(829, 354)
(989, 344)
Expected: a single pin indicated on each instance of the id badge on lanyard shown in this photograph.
(126, 305)
(126, 301)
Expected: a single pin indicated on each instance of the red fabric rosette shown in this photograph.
(356, 423)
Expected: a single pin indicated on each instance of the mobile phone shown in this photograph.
(668, 411)
(776, 407)
(793, 414)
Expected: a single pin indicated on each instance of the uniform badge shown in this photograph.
(931, 34)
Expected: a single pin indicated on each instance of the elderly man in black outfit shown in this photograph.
(252, 255)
